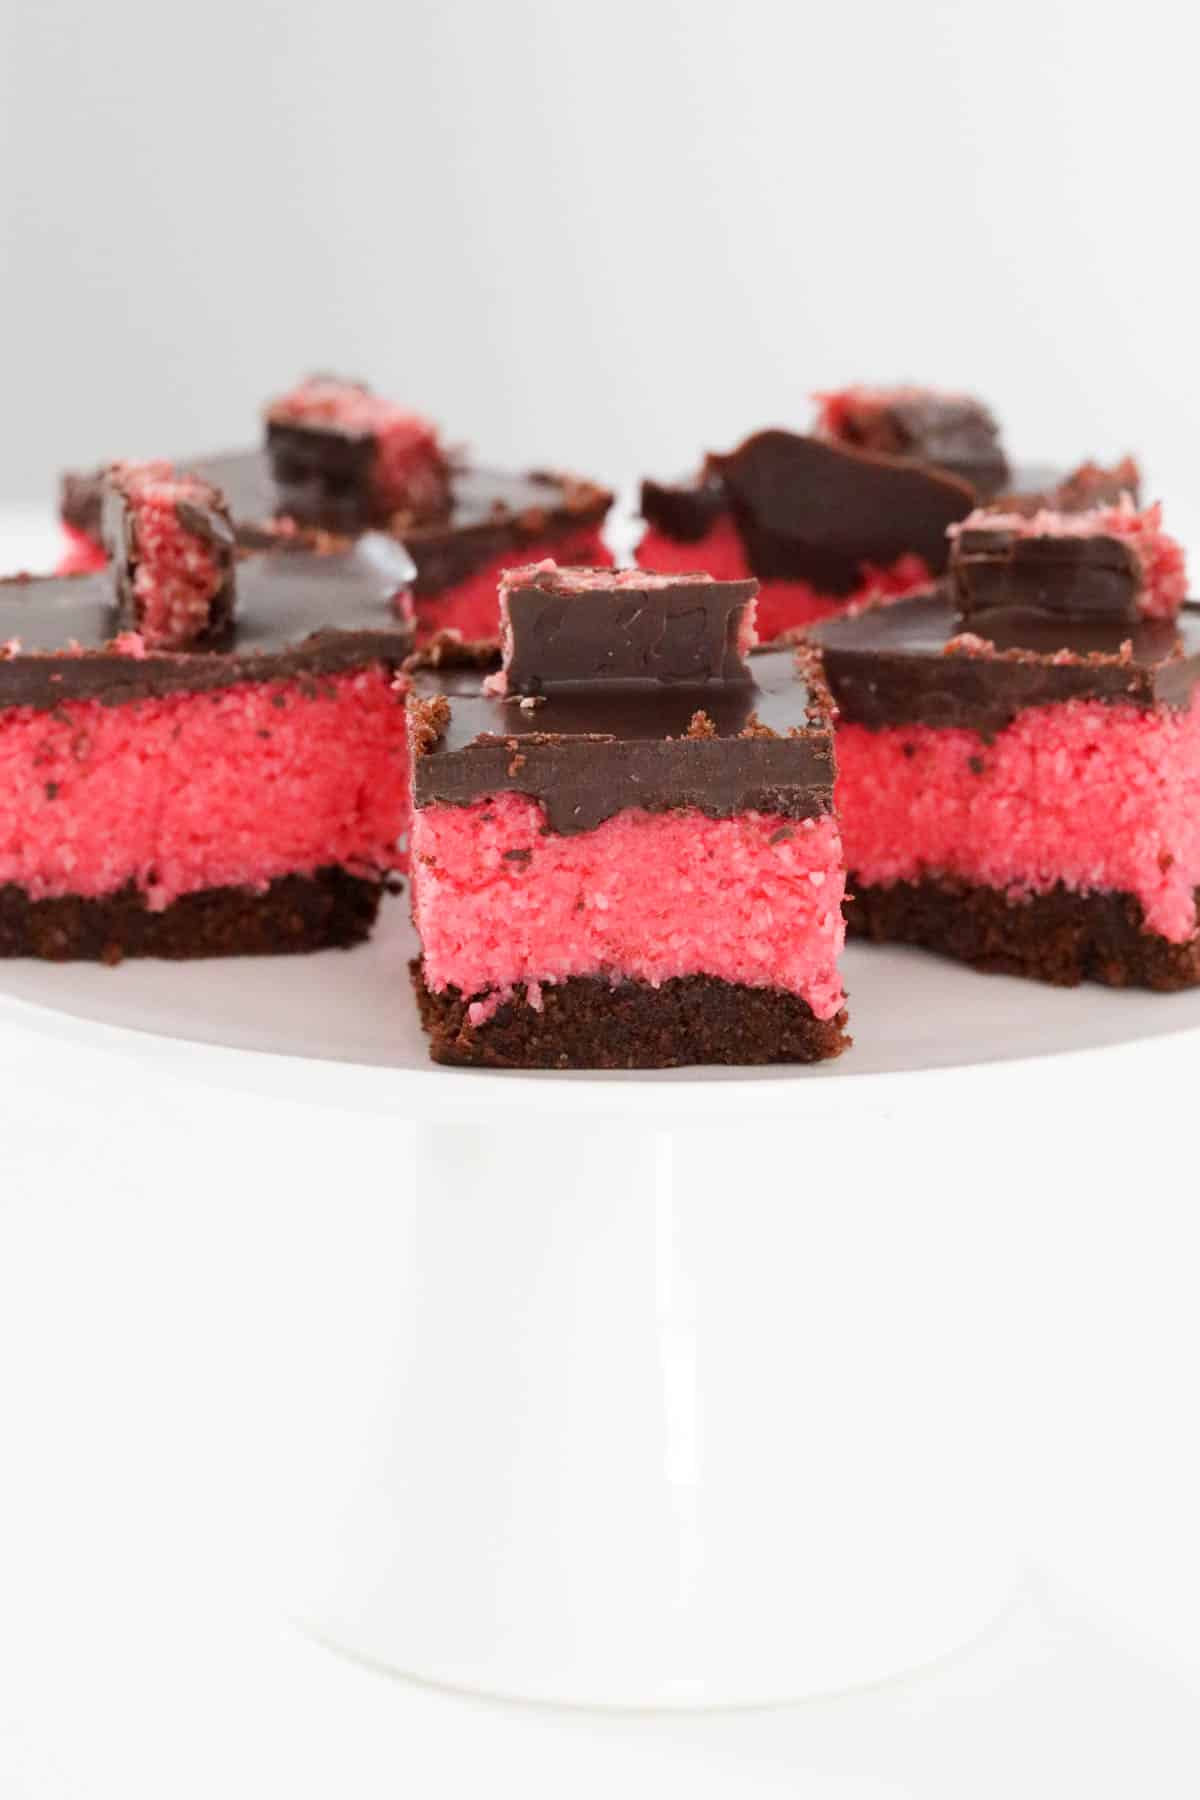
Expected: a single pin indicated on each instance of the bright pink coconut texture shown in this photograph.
(409, 469)
(193, 791)
(645, 897)
(1100, 797)
(176, 575)
(80, 554)
(471, 606)
(781, 604)
(1162, 560)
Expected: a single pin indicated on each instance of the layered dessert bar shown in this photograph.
(337, 459)
(1019, 753)
(858, 510)
(201, 756)
(623, 848)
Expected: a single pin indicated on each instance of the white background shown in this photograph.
(604, 234)
(608, 237)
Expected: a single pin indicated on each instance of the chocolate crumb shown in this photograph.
(427, 722)
(976, 765)
(754, 728)
(517, 856)
(782, 835)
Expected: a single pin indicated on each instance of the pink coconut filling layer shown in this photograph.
(472, 607)
(1099, 797)
(782, 605)
(501, 904)
(193, 791)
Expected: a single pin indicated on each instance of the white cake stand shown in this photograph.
(680, 1389)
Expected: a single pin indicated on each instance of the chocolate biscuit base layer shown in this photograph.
(588, 1023)
(1061, 937)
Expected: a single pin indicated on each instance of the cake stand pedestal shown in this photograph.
(680, 1390)
(666, 1415)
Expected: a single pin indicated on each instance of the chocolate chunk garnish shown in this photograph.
(603, 625)
(812, 511)
(1065, 576)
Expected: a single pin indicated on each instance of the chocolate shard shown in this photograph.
(1067, 576)
(818, 512)
(572, 626)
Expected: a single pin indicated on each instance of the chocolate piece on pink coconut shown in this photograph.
(172, 547)
(821, 526)
(1109, 563)
(954, 432)
(635, 865)
(232, 799)
(494, 519)
(1023, 795)
(343, 458)
(588, 625)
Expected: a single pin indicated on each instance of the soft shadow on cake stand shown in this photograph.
(680, 1390)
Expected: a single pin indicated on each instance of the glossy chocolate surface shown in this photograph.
(572, 626)
(297, 613)
(492, 512)
(588, 753)
(898, 665)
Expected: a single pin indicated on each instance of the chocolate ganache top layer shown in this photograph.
(297, 613)
(914, 662)
(590, 751)
(491, 514)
